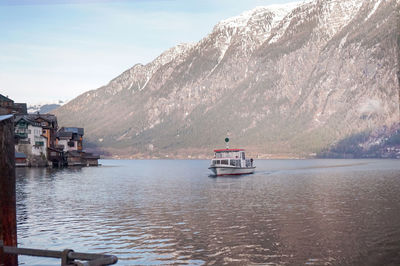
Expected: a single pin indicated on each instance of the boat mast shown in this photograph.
(227, 139)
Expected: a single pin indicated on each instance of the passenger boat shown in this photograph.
(231, 162)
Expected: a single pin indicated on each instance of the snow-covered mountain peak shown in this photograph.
(276, 11)
(249, 29)
(173, 52)
(336, 14)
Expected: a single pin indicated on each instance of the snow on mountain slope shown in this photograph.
(282, 79)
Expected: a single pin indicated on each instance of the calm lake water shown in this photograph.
(290, 212)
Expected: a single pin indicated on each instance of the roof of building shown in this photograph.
(57, 149)
(47, 117)
(62, 134)
(20, 155)
(27, 119)
(4, 117)
(76, 130)
(74, 153)
(5, 99)
(228, 150)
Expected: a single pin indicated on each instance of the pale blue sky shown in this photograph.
(57, 49)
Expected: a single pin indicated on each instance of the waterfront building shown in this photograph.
(7, 106)
(38, 142)
(81, 158)
(30, 141)
(71, 141)
(49, 127)
(56, 156)
(5, 102)
(71, 138)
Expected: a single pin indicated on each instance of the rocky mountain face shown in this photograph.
(284, 80)
(383, 142)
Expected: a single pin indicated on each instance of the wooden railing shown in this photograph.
(68, 256)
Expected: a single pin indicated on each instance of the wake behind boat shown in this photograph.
(231, 162)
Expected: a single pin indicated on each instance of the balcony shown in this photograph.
(39, 143)
(21, 135)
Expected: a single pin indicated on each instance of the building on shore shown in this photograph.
(7, 106)
(79, 158)
(49, 125)
(38, 142)
(37, 137)
(30, 141)
(56, 156)
(71, 138)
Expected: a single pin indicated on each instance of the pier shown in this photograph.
(8, 225)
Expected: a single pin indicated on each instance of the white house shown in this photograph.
(29, 138)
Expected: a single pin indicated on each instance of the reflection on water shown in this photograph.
(172, 212)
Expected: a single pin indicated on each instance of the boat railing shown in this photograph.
(227, 161)
(249, 162)
(68, 256)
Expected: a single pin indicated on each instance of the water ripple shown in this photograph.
(310, 212)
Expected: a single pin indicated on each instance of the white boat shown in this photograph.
(231, 162)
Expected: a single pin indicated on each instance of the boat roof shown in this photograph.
(228, 150)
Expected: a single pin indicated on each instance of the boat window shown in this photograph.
(224, 161)
(243, 156)
(232, 162)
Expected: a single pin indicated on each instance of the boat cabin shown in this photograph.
(231, 157)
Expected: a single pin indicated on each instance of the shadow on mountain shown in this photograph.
(380, 143)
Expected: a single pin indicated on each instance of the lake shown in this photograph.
(152, 212)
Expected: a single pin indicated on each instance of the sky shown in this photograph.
(58, 49)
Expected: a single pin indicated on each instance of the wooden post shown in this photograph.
(8, 218)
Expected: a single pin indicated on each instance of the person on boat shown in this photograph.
(251, 161)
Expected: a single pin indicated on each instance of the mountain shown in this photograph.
(383, 142)
(284, 80)
(44, 108)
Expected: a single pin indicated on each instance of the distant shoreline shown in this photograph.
(255, 158)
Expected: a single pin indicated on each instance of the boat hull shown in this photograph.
(220, 171)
